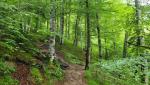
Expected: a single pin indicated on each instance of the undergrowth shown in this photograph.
(72, 54)
(127, 71)
(5, 74)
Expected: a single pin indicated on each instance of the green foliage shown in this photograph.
(53, 72)
(8, 80)
(35, 73)
(5, 74)
(5, 69)
(72, 58)
(71, 54)
(129, 71)
(89, 77)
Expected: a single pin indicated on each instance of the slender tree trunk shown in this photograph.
(66, 26)
(62, 24)
(81, 39)
(99, 37)
(68, 20)
(146, 73)
(47, 22)
(138, 28)
(106, 50)
(87, 54)
(37, 26)
(76, 33)
(125, 45)
(115, 46)
(52, 54)
(85, 33)
(68, 30)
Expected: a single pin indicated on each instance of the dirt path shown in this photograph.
(74, 75)
(22, 74)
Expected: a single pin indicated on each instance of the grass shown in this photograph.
(74, 55)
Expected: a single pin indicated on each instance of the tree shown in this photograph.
(76, 33)
(52, 54)
(99, 37)
(138, 25)
(125, 45)
(62, 23)
(87, 54)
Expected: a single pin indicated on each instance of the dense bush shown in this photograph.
(5, 74)
(121, 72)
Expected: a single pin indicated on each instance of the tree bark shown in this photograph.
(99, 37)
(76, 33)
(125, 45)
(106, 49)
(62, 24)
(138, 28)
(68, 30)
(87, 54)
(52, 54)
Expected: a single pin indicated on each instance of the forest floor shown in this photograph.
(74, 75)
(22, 74)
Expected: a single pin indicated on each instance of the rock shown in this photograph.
(64, 66)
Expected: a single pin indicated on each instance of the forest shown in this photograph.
(74, 42)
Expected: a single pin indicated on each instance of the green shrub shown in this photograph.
(5, 69)
(71, 53)
(53, 72)
(5, 74)
(129, 69)
(8, 80)
(72, 58)
(117, 72)
(35, 73)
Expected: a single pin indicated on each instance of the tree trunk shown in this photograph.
(87, 54)
(138, 28)
(52, 54)
(37, 26)
(106, 50)
(68, 30)
(125, 45)
(76, 33)
(62, 24)
(146, 73)
(99, 37)
(47, 22)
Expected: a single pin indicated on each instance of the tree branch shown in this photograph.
(142, 46)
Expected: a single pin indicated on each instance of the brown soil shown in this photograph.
(22, 74)
(74, 75)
